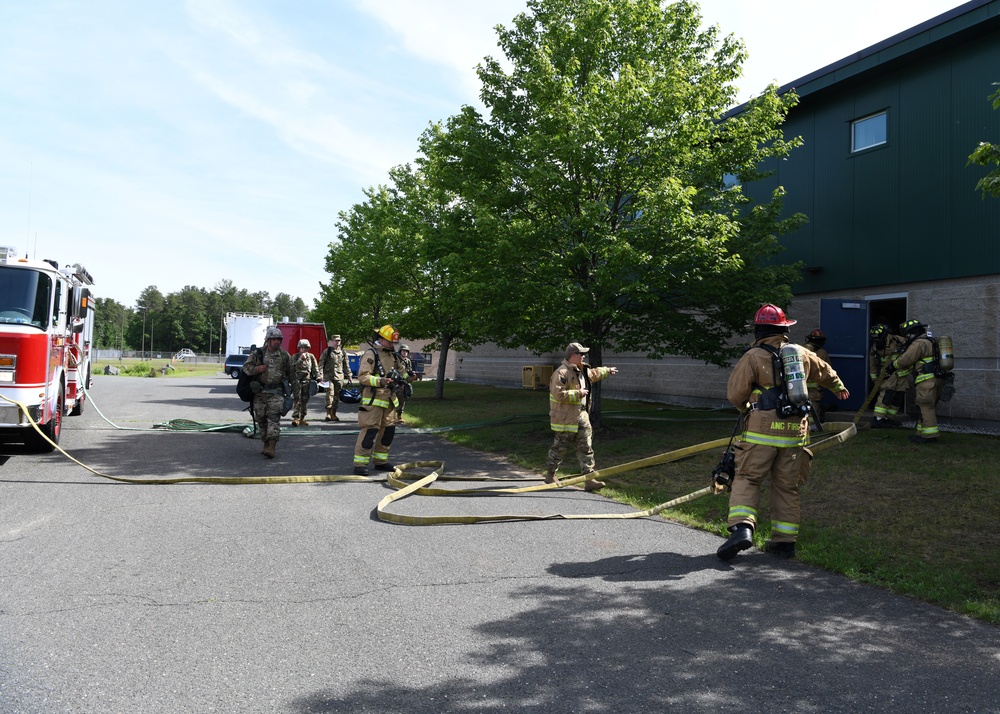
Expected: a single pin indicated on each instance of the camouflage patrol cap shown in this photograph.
(333, 337)
(404, 347)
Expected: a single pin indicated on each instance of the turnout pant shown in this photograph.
(928, 393)
(788, 468)
(377, 428)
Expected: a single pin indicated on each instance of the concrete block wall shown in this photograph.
(966, 309)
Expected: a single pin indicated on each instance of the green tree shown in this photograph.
(364, 263)
(110, 317)
(438, 241)
(148, 312)
(987, 154)
(285, 305)
(599, 174)
(185, 321)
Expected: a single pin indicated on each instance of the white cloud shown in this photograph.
(457, 34)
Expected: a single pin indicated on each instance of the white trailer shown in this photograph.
(244, 330)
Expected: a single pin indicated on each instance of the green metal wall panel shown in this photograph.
(794, 175)
(873, 224)
(906, 211)
(925, 148)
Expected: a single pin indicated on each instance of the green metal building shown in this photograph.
(896, 228)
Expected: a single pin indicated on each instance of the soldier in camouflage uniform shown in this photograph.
(305, 372)
(273, 368)
(335, 370)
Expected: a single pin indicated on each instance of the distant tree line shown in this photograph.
(192, 317)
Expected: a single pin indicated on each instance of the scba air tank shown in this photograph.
(947, 350)
(794, 370)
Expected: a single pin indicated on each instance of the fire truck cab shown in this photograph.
(46, 334)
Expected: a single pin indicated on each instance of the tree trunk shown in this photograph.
(442, 364)
(595, 360)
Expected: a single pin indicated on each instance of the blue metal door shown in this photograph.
(845, 323)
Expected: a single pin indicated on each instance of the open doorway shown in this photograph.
(887, 310)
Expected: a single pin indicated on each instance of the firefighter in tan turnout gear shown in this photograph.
(814, 343)
(379, 378)
(273, 369)
(892, 392)
(920, 353)
(569, 413)
(775, 432)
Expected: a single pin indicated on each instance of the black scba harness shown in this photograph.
(932, 367)
(776, 398)
(405, 389)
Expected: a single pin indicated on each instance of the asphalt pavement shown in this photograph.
(295, 598)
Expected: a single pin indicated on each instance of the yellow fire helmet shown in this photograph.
(388, 332)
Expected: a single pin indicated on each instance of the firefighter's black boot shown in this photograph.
(741, 539)
(782, 550)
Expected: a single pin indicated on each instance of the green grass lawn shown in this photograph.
(142, 368)
(917, 520)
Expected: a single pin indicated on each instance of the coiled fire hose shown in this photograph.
(408, 482)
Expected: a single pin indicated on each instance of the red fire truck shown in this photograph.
(46, 331)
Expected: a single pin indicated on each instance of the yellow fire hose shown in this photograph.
(874, 392)
(407, 482)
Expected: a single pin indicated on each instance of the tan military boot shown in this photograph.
(269, 446)
(329, 415)
(593, 484)
(295, 422)
(303, 422)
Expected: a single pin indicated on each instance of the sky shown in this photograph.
(179, 143)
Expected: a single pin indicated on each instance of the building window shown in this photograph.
(868, 132)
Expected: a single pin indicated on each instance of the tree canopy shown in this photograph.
(987, 154)
(607, 172)
(599, 197)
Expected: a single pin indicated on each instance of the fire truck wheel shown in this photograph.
(52, 429)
